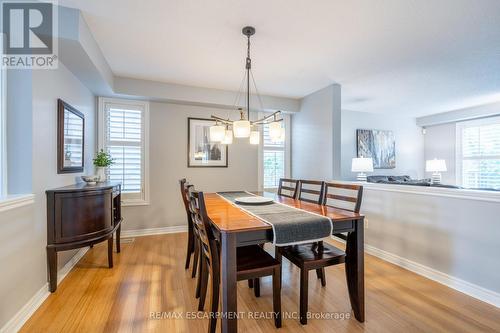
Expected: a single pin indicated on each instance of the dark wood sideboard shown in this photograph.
(81, 215)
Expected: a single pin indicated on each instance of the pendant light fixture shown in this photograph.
(244, 128)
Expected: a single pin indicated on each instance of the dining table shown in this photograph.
(234, 227)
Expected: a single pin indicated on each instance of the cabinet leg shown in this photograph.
(110, 252)
(118, 232)
(52, 269)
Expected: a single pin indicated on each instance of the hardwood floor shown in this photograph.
(149, 276)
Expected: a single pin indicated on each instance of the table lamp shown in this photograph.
(362, 165)
(436, 167)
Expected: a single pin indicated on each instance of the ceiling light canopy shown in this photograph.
(242, 128)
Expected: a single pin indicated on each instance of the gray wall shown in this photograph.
(168, 164)
(440, 142)
(316, 135)
(23, 230)
(409, 142)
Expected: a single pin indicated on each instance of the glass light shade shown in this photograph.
(254, 137)
(362, 164)
(435, 165)
(228, 138)
(241, 129)
(217, 133)
(275, 130)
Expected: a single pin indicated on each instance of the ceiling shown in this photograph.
(408, 57)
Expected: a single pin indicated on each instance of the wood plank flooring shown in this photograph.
(149, 276)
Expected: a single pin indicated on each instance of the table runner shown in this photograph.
(290, 225)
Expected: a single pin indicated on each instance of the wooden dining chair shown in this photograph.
(251, 262)
(319, 255)
(288, 187)
(311, 191)
(191, 237)
(343, 196)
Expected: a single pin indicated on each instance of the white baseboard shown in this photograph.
(16, 322)
(153, 231)
(463, 286)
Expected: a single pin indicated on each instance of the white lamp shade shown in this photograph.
(241, 129)
(228, 138)
(275, 130)
(254, 138)
(435, 165)
(217, 133)
(362, 164)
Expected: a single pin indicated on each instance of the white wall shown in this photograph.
(452, 231)
(168, 164)
(409, 142)
(316, 135)
(23, 234)
(440, 142)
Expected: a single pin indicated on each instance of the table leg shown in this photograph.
(355, 270)
(228, 282)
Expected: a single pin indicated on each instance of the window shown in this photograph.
(275, 157)
(123, 133)
(478, 153)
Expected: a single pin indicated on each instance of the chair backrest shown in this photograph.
(344, 196)
(184, 193)
(311, 191)
(202, 223)
(288, 187)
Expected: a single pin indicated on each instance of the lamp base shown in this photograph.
(361, 177)
(436, 178)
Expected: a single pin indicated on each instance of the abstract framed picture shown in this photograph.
(202, 152)
(380, 145)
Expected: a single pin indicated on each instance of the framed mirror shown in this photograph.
(70, 138)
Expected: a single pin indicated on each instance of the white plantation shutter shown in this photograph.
(479, 153)
(125, 139)
(273, 160)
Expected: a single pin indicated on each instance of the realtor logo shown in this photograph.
(29, 34)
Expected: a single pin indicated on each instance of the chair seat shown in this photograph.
(309, 255)
(254, 258)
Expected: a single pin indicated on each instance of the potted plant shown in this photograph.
(102, 161)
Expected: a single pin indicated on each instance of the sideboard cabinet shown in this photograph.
(81, 215)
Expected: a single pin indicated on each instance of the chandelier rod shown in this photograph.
(248, 67)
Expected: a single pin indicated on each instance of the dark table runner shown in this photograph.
(290, 225)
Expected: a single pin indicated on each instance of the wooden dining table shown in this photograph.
(234, 228)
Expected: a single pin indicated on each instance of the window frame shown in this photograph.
(459, 158)
(101, 141)
(286, 149)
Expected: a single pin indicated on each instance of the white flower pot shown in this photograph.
(101, 172)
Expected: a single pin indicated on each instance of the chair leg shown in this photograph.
(204, 282)
(197, 257)
(277, 296)
(256, 287)
(250, 283)
(190, 248)
(323, 277)
(320, 273)
(214, 303)
(198, 282)
(304, 275)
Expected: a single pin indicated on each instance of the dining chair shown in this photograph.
(288, 187)
(191, 237)
(311, 191)
(252, 262)
(343, 196)
(319, 255)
